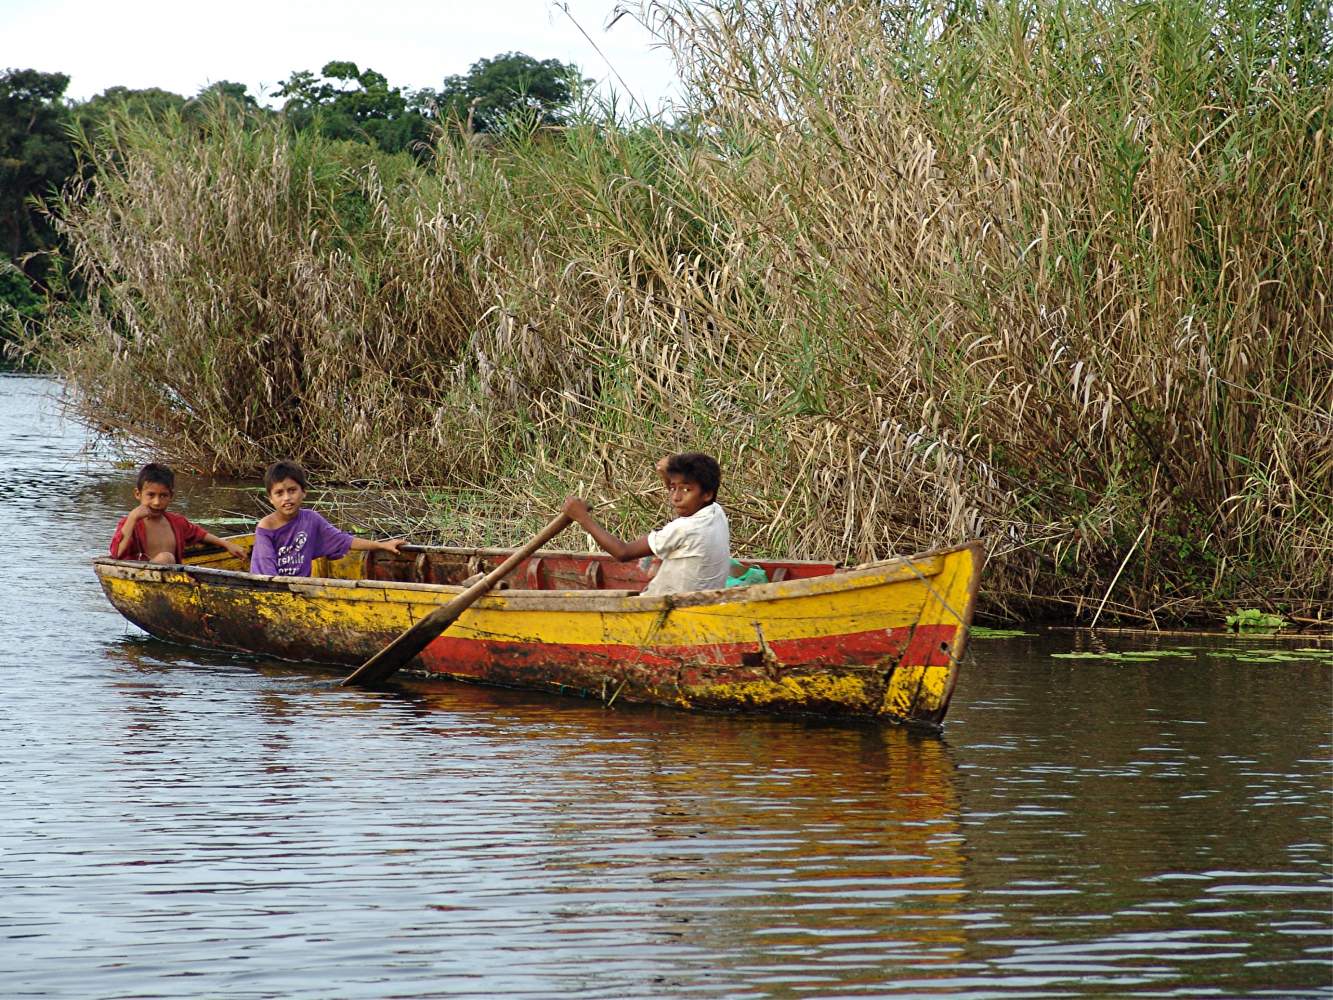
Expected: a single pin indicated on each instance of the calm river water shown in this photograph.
(179, 823)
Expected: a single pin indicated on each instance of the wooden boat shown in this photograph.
(882, 640)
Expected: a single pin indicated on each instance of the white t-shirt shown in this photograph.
(695, 552)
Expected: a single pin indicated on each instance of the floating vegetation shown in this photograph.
(981, 632)
(1305, 655)
(1137, 655)
(1254, 620)
(1272, 656)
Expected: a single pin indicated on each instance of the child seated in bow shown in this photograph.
(288, 541)
(150, 532)
(695, 548)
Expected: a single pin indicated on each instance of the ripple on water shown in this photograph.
(180, 823)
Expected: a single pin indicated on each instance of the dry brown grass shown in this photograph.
(1059, 282)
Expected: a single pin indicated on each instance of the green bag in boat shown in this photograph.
(742, 576)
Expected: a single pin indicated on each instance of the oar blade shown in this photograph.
(416, 638)
(397, 653)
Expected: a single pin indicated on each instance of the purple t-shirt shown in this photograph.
(291, 549)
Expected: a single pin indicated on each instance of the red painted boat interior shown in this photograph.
(549, 570)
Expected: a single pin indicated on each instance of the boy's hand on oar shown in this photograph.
(575, 508)
(391, 545)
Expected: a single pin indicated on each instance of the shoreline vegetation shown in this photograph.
(1051, 275)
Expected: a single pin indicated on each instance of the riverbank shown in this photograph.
(1059, 288)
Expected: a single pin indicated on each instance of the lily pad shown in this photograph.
(981, 632)
(1266, 656)
(1130, 656)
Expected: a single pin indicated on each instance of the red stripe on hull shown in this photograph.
(495, 659)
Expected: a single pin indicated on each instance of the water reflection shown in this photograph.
(805, 853)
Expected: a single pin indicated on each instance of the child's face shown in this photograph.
(686, 497)
(286, 496)
(155, 496)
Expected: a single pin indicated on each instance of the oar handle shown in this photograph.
(505, 568)
(413, 640)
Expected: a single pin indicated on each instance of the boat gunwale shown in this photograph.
(461, 550)
(841, 580)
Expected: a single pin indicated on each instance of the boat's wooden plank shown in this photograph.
(872, 574)
(443, 589)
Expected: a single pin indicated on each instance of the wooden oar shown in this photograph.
(420, 635)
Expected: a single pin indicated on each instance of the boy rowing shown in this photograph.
(695, 548)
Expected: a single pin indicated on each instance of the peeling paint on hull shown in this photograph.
(879, 641)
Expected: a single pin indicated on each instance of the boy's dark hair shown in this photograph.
(697, 468)
(156, 472)
(279, 471)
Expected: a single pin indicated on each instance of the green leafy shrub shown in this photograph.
(1253, 620)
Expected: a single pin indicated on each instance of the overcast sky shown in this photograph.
(184, 45)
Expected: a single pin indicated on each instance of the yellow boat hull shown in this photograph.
(881, 641)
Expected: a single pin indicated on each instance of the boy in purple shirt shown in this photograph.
(290, 539)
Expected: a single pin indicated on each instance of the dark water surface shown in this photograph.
(179, 823)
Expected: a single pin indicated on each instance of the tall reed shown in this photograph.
(1050, 274)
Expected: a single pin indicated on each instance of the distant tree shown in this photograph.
(91, 115)
(19, 293)
(497, 88)
(235, 95)
(345, 102)
(36, 157)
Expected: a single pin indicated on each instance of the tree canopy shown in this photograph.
(495, 90)
(234, 94)
(346, 102)
(35, 154)
(38, 125)
(152, 101)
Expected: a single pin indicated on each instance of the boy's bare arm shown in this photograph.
(577, 511)
(232, 547)
(127, 529)
(388, 545)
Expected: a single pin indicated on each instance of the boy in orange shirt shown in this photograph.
(150, 532)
